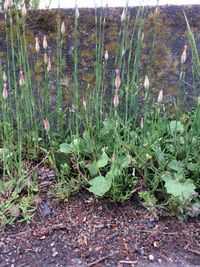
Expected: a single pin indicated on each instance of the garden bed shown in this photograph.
(88, 232)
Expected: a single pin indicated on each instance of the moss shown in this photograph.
(87, 53)
(38, 78)
(2, 54)
(88, 77)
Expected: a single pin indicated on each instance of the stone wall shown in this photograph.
(164, 27)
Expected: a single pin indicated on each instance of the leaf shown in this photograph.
(100, 185)
(14, 211)
(182, 190)
(176, 127)
(93, 168)
(125, 162)
(103, 160)
(176, 165)
(66, 148)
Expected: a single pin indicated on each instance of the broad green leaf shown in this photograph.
(103, 160)
(66, 148)
(176, 127)
(125, 161)
(175, 165)
(93, 168)
(182, 190)
(100, 185)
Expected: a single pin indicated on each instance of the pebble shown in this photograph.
(151, 257)
(160, 260)
(150, 225)
(54, 254)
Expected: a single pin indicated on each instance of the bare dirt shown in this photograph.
(88, 232)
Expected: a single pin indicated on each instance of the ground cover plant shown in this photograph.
(128, 145)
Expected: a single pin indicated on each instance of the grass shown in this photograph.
(129, 145)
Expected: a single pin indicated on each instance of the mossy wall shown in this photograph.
(165, 34)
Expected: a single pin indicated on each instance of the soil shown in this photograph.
(86, 231)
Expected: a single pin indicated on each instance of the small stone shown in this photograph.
(52, 244)
(150, 225)
(160, 260)
(151, 257)
(54, 254)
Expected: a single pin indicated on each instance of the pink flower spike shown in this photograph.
(37, 45)
(116, 98)
(5, 91)
(146, 82)
(62, 28)
(21, 78)
(184, 55)
(46, 125)
(7, 4)
(84, 104)
(45, 45)
(117, 79)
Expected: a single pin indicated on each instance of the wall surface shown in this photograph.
(165, 34)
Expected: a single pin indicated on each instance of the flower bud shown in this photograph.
(117, 79)
(184, 55)
(146, 82)
(63, 28)
(84, 104)
(7, 4)
(160, 96)
(45, 45)
(106, 55)
(116, 98)
(5, 91)
(37, 45)
(4, 77)
(24, 10)
(46, 125)
(123, 15)
(21, 78)
(49, 64)
(77, 12)
(45, 58)
(142, 123)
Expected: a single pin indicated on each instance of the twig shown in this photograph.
(128, 262)
(194, 251)
(97, 261)
(34, 168)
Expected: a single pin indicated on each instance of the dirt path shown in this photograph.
(88, 232)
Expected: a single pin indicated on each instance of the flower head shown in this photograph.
(49, 64)
(117, 79)
(45, 58)
(5, 91)
(123, 15)
(37, 45)
(4, 77)
(77, 12)
(106, 55)
(63, 28)
(146, 82)
(160, 96)
(46, 125)
(116, 98)
(84, 104)
(45, 45)
(7, 4)
(24, 10)
(21, 78)
(184, 55)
